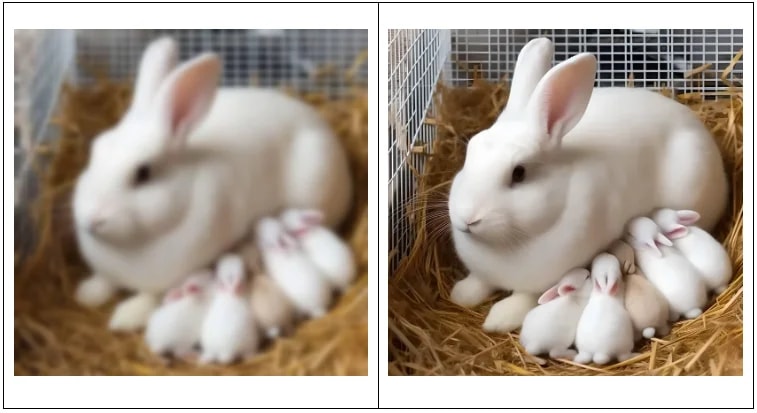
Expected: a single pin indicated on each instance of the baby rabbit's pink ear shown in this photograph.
(678, 231)
(172, 295)
(548, 295)
(612, 286)
(661, 239)
(687, 217)
(312, 217)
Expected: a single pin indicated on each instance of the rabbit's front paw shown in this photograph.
(132, 314)
(470, 292)
(508, 314)
(94, 291)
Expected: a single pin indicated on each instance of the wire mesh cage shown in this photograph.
(685, 61)
(299, 60)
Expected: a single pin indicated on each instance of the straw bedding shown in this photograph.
(429, 335)
(55, 336)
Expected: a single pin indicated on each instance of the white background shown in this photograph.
(183, 391)
(510, 392)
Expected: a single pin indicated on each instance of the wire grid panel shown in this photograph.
(417, 60)
(641, 58)
(305, 60)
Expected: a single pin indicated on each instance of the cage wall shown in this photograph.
(685, 60)
(320, 61)
(417, 60)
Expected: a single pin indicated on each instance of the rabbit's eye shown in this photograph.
(142, 175)
(519, 174)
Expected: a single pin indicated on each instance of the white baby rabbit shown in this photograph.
(667, 269)
(288, 265)
(187, 170)
(551, 326)
(274, 312)
(175, 326)
(559, 174)
(647, 307)
(332, 256)
(605, 330)
(229, 331)
(704, 252)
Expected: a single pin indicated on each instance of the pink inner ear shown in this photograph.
(687, 217)
(193, 289)
(596, 286)
(566, 289)
(312, 218)
(548, 295)
(677, 232)
(614, 289)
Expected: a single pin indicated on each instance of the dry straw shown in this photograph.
(429, 335)
(55, 336)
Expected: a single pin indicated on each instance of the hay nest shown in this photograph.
(55, 336)
(429, 335)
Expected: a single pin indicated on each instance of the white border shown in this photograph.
(513, 392)
(185, 391)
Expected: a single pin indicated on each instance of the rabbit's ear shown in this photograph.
(548, 295)
(677, 231)
(172, 295)
(312, 217)
(561, 97)
(612, 286)
(661, 239)
(186, 96)
(687, 217)
(651, 244)
(534, 60)
(158, 59)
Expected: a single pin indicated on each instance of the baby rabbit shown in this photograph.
(704, 252)
(174, 328)
(332, 256)
(274, 312)
(229, 330)
(551, 326)
(647, 307)
(667, 269)
(605, 330)
(288, 265)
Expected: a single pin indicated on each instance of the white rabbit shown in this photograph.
(560, 173)
(605, 330)
(667, 269)
(187, 170)
(175, 326)
(697, 245)
(290, 268)
(229, 330)
(274, 312)
(551, 326)
(332, 256)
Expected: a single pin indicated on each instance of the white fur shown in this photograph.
(229, 330)
(668, 270)
(235, 155)
(704, 252)
(604, 330)
(288, 265)
(551, 327)
(579, 190)
(175, 326)
(330, 254)
(94, 291)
